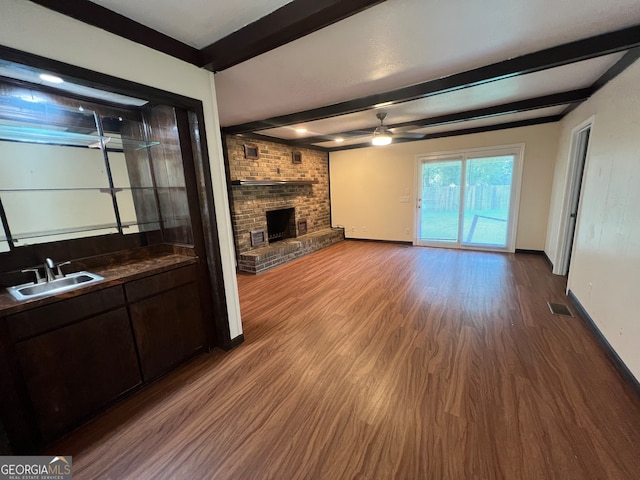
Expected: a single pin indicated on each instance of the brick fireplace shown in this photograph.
(281, 224)
(279, 202)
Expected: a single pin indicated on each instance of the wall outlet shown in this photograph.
(406, 230)
(364, 228)
(353, 229)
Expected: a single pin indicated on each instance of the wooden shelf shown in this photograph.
(268, 183)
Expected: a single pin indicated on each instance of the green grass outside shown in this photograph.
(443, 226)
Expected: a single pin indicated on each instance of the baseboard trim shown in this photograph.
(613, 357)
(233, 343)
(546, 257)
(396, 242)
(530, 252)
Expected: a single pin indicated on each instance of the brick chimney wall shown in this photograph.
(249, 204)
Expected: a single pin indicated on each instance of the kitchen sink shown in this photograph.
(63, 284)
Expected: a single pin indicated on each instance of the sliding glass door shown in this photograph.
(469, 199)
(440, 201)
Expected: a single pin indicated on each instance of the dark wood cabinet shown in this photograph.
(39, 320)
(74, 356)
(167, 324)
(63, 362)
(73, 371)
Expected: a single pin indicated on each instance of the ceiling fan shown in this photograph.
(383, 135)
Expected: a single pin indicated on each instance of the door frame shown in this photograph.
(565, 245)
(516, 149)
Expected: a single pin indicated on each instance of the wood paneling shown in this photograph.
(378, 361)
(168, 173)
(79, 248)
(138, 163)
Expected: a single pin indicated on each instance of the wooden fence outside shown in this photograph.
(478, 197)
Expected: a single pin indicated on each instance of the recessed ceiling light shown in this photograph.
(50, 78)
(339, 140)
(301, 130)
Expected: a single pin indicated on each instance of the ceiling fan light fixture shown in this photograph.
(381, 136)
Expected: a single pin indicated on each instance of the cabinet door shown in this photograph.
(74, 371)
(168, 328)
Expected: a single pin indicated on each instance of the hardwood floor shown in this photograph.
(378, 361)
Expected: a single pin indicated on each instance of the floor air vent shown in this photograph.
(559, 309)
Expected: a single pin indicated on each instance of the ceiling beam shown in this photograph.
(101, 17)
(533, 62)
(620, 66)
(286, 24)
(546, 101)
(464, 131)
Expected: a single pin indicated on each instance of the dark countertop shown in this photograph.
(113, 273)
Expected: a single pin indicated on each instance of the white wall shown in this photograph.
(34, 29)
(367, 184)
(605, 264)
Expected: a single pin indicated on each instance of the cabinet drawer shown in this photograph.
(42, 319)
(148, 286)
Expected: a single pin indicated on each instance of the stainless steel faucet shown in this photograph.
(49, 274)
(48, 269)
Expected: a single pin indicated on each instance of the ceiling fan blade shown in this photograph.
(408, 135)
(405, 129)
(358, 133)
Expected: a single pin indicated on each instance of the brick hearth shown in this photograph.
(264, 258)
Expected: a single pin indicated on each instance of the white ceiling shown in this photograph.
(559, 79)
(402, 42)
(394, 44)
(197, 23)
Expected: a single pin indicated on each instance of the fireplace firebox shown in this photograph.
(281, 224)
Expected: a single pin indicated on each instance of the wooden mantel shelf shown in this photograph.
(267, 183)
